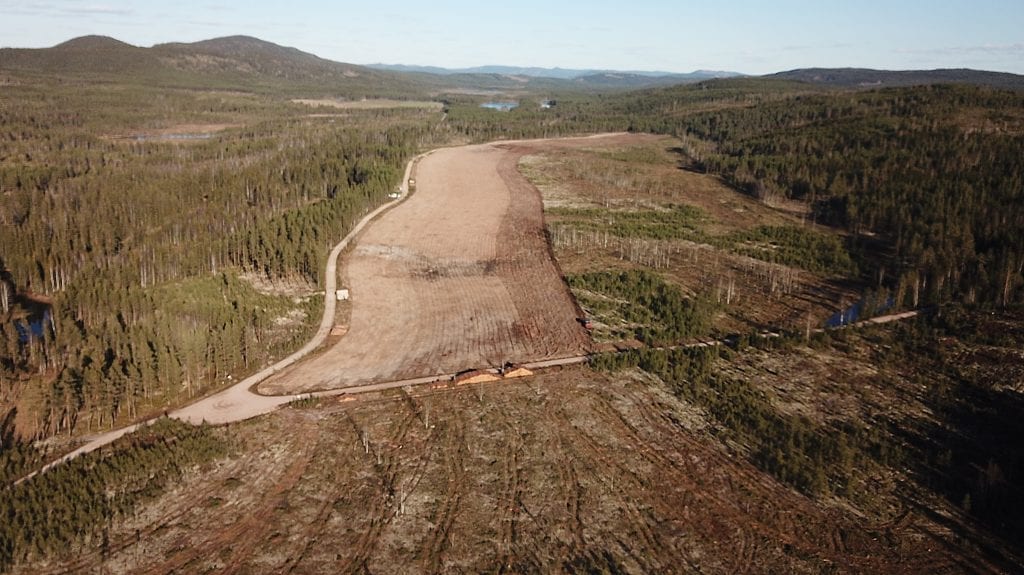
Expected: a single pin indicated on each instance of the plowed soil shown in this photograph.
(460, 276)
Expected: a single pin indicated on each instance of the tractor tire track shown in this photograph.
(454, 453)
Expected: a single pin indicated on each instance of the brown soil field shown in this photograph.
(569, 471)
(457, 277)
(176, 133)
(375, 104)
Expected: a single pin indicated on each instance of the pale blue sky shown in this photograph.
(679, 36)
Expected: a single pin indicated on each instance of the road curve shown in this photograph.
(238, 402)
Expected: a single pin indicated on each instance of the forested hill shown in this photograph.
(235, 62)
(927, 180)
(250, 64)
(582, 78)
(865, 77)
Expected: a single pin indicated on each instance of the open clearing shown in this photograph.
(570, 470)
(375, 104)
(585, 188)
(457, 277)
(176, 133)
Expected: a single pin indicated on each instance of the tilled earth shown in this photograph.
(458, 277)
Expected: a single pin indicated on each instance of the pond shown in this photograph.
(34, 327)
(500, 106)
(854, 312)
(34, 318)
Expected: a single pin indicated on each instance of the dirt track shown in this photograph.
(458, 277)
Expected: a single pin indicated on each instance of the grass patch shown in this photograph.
(795, 246)
(657, 313)
(637, 155)
(370, 104)
(675, 222)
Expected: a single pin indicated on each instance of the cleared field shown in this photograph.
(176, 133)
(457, 277)
(377, 104)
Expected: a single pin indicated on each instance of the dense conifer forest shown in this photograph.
(927, 180)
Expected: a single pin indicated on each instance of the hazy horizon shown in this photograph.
(647, 35)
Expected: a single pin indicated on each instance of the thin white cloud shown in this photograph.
(63, 9)
(1016, 49)
(100, 9)
(815, 47)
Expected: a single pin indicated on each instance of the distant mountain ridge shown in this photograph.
(244, 62)
(230, 62)
(556, 73)
(247, 63)
(866, 77)
(259, 56)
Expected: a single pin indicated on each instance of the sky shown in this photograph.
(747, 36)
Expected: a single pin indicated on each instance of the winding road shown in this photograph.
(479, 310)
(238, 402)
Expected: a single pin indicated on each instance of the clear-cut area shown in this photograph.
(458, 277)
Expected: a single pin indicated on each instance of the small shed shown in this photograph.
(342, 295)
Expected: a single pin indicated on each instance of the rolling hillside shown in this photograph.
(591, 77)
(247, 63)
(865, 77)
(235, 62)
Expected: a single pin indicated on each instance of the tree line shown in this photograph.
(72, 504)
(930, 177)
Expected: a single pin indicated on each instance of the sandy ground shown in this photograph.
(458, 277)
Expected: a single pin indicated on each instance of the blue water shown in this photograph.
(33, 328)
(852, 313)
(501, 106)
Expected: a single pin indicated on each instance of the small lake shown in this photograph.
(36, 318)
(854, 312)
(34, 327)
(500, 106)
